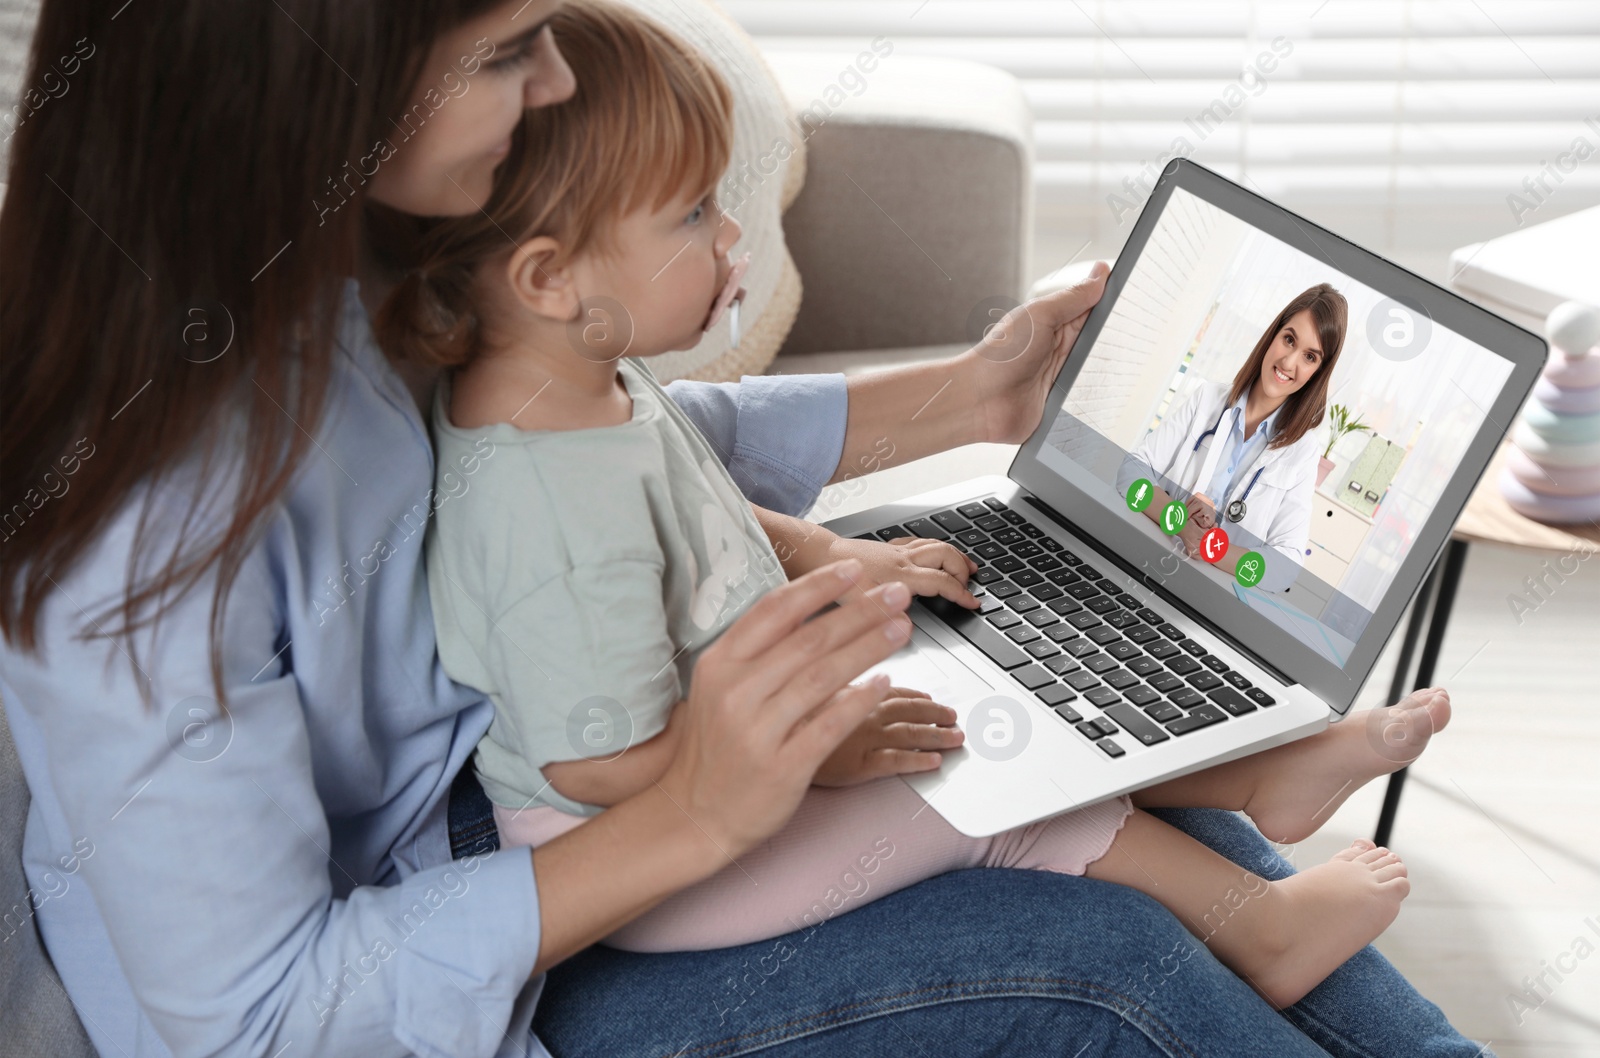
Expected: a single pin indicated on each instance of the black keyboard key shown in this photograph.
(1161, 650)
(1069, 714)
(1070, 558)
(1204, 716)
(1022, 634)
(1111, 749)
(1099, 663)
(977, 631)
(1080, 648)
(1027, 549)
(1062, 664)
(894, 532)
(1149, 616)
(1083, 591)
(1066, 606)
(1003, 589)
(1182, 665)
(1136, 723)
(1122, 650)
(1103, 635)
(988, 552)
(1050, 544)
(1144, 666)
(1023, 603)
(988, 604)
(1141, 633)
(1141, 695)
(1231, 700)
(926, 528)
(866, 536)
(1101, 604)
(995, 505)
(1032, 677)
(1171, 631)
(990, 524)
(1128, 600)
(1030, 530)
(1045, 592)
(1045, 649)
(1054, 694)
(973, 510)
(1004, 619)
(951, 522)
(1166, 682)
(1007, 564)
(1008, 536)
(1081, 680)
(1083, 621)
(1121, 619)
(1060, 633)
(1013, 517)
(1204, 681)
(1161, 712)
(1214, 663)
(1122, 679)
(1027, 577)
(1188, 697)
(1101, 696)
(1192, 647)
(986, 575)
(1046, 563)
(1041, 618)
(1063, 577)
(972, 537)
(1260, 697)
(1237, 680)
(1090, 729)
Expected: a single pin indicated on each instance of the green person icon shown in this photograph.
(1140, 493)
(1174, 516)
(1251, 568)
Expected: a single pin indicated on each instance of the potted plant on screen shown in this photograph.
(1340, 422)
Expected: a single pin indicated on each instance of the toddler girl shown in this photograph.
(600, 546)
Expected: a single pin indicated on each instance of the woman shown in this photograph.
(1250, 447)
(219, 665)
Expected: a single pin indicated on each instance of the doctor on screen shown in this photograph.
(1243, 455)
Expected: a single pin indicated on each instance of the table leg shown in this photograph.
(1449, 579)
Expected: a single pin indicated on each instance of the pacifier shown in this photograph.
(730, 299)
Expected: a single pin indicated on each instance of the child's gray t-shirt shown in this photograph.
(576, 575)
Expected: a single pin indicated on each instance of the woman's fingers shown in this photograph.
(806, 745)
(829, 651)
(907, 692)
(884, 762)
(785, 608)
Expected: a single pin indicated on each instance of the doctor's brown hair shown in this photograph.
(1303, 410)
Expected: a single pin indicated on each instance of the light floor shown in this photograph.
(1500, 823)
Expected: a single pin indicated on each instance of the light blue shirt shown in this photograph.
(211, 884)
(1239, 458)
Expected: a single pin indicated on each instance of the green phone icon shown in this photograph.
(1174, 516)
(1140, 493)
(1251, 568)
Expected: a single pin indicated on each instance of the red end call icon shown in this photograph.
(1214, 544)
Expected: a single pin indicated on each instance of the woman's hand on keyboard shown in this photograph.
(904, 734)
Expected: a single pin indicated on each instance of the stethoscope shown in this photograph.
(1236, 510)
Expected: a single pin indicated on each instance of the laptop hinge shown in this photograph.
(1160, 589)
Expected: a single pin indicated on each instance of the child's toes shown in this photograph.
(1356, 848)
(1374, 856)
(1391, 871)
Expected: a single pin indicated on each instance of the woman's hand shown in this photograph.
(904, 734)
(772, 699)
(1012, 369)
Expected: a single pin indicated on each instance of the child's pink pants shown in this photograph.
(844, 846)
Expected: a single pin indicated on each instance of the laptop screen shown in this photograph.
(1272, 423)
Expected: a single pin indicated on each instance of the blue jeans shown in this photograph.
(985, 962)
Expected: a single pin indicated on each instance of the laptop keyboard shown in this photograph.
(1103, 661)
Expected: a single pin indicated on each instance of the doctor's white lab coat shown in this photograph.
(1278, 510)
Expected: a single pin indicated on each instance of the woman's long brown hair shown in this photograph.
(1304, 408)
(172, 202)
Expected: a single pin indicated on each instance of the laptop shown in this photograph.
(1114, 650)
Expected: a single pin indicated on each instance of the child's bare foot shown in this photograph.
(1323, 916)
(1299, 786)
